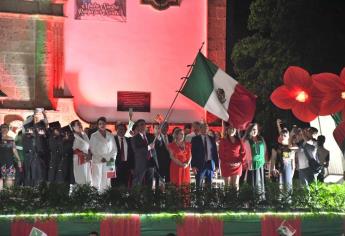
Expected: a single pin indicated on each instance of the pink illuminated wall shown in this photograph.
(147, 53)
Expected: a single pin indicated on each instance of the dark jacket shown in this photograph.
(130, 154)
(163, 156)
(141, 152)
(198, 153)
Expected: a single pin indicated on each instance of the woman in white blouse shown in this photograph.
(104, 150)
(81, 154)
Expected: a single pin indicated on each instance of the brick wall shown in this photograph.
(217, 32)
(216, 36)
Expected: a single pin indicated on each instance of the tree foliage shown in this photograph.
(306, 33)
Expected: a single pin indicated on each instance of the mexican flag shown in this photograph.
(219, 94)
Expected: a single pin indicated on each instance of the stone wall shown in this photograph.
(31, 60)
(17, 58)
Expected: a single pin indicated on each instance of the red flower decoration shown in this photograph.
(298, 94)
(339, 135)
(332, 88)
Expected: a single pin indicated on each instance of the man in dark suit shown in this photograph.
(163, 157)
(125, 158)
(204, 156)
(144, 157)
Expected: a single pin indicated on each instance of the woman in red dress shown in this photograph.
(232, 157)
(180, 154)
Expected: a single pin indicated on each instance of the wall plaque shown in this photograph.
(139, 101)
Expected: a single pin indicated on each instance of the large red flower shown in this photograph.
(298, 94)
(332, 88)
(339, 135)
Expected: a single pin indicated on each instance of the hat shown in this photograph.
(40, 125)
(28, 125)
(55, 125)
(66, 129)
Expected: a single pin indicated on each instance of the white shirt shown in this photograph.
(189, 137)
(302, 159)
(129, 128)
(81, 143)
(125, 145)
(209, 154)
(102, 147)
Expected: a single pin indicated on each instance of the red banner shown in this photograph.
(129, 226)
(275, 226)
(23, 228)
(200, 226)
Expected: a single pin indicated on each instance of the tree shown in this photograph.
(306, 33)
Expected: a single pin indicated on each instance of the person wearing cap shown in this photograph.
(103, 149)
(55, 147)
(81, 154)
(67, 173)
(8, 154)
(42, 146)
(34, 172)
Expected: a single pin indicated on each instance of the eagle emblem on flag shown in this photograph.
(221, 95)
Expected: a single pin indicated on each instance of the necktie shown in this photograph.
(148, 157)
(122, 147)
(205, 147)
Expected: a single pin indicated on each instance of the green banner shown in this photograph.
(157, 226)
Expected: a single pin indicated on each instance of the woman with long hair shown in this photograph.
(232, 157)
(256, 160)
(180, 154)
(8, 155)
(81, 154)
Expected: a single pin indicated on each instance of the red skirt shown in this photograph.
(228, 171)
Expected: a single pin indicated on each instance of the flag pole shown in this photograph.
(168, 113)
(183, 83)
(318, 119)
(173, 102)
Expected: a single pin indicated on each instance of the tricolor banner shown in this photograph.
(240, 224)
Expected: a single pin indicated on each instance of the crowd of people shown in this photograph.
(43, 151)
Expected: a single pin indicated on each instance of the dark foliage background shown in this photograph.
(281, 33)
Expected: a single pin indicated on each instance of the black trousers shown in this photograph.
(123, 175)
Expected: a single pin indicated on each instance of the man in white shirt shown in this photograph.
(103, 149)
(196, 131)
(306, 144)
(204, 157)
